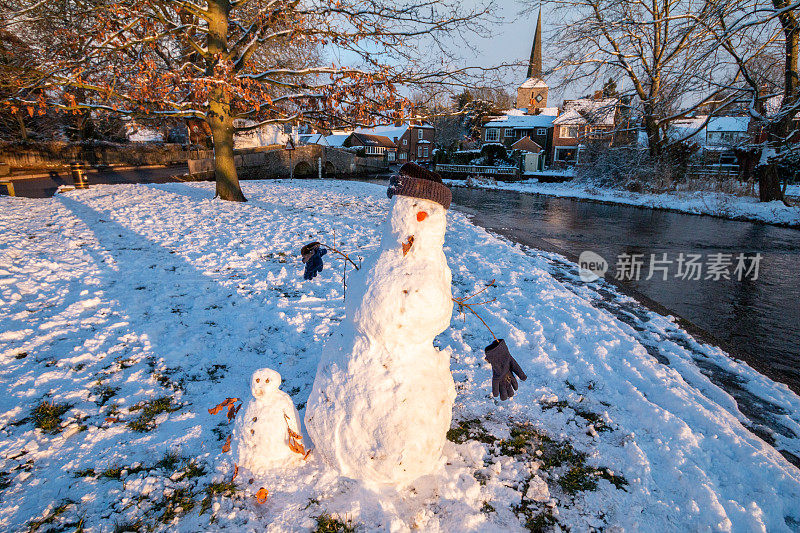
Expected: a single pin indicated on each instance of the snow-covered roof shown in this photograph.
(587, 111)
(393, 132)
(337, 139)
(313, 138)
(521, 121)
(369, 139)
(681, 129)
(530, 83)
(728, 124)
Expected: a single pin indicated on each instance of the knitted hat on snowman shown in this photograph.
(418, 182)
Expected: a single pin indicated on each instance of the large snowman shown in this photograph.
(383, 395)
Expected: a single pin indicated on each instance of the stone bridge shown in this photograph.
(307, 161)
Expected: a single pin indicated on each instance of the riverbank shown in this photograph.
(698, 203)
(129, 310)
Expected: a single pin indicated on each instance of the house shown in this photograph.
(717, 137)
(256, 136)
(512, 128)
(582, 121)
(373, 145)
(414, 140)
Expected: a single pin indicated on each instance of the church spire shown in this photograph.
(535, 65)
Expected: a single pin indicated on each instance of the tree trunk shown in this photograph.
(219, 108)
(224, 166)
(769, 183)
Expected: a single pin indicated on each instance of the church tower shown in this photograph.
(532, 94)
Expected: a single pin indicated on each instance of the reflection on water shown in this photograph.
(758, 320)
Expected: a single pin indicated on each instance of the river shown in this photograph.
(757, 320)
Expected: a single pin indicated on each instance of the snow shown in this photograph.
(383, 396)
(534, 82)
(737, 124)
(588, 111)
(337, 139)
(696, 202)
(123, 294)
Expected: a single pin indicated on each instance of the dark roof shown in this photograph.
(368, 139)
(527, 144)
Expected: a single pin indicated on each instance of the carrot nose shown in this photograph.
(422, 215)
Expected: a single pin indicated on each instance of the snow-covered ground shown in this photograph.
(699, 203)
(128, 311)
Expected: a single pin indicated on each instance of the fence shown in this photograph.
(57, 155)
(473, 170)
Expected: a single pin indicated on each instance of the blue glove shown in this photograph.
(503, 369)
(312, 256)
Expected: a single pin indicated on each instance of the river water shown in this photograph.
(757, 320)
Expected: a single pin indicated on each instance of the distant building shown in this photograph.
(263, 135)
(139, 133)
(582, 121)
(532, 94)
(413, 140)
(373, 145)
(510, 129)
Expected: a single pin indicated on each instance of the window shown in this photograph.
(419, 134)
(541, 132)
(492, 134)
(405, 141)
(569, 132)
(392, 155)
(566, 154)
(402, 156)
(419, 151)
(425, 153)
(508, 133)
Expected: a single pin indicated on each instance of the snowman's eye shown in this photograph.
(267, 380)
(258, 380)
(422, 215)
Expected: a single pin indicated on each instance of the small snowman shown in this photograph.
(266, 433)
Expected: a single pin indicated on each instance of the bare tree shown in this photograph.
(659, 48)
(762, 40)
(222, 60)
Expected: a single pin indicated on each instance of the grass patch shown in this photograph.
(577, 479)
(170, 460)
(594, 419)
(327, 523)
(539, 522)
(129, 527)
(194, 469)
(103, 393)
(213, 490)
(180, 502)
(150, 409)
(50, 517)
(47, 416)
(470, 430)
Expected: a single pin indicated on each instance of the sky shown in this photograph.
(511, 41)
